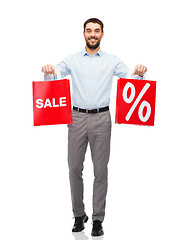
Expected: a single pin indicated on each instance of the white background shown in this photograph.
(142, 200)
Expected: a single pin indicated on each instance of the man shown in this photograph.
(92, 72)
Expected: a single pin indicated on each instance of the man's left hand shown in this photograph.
(140, 70)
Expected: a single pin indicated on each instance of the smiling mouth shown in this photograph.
(92, 39)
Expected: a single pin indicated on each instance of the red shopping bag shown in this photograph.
(52, 102)
(135, 102)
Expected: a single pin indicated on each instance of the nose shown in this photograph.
(92, 33)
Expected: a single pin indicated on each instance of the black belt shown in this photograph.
(98, 110)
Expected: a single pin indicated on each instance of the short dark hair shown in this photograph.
(94, 20)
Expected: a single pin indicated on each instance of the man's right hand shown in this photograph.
(49, 69)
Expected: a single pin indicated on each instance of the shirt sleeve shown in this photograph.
(62, 69)
(122, 71)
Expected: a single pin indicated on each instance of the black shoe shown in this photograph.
(97, 228)
(79, 223)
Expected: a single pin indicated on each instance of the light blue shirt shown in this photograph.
(92, 77)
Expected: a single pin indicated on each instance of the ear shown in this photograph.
(102, 34)
(84, 34)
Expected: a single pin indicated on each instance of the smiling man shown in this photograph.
(93, 35)
(92, 72)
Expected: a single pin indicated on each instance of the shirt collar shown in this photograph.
(84, 53)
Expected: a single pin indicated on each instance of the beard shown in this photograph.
(92, 47)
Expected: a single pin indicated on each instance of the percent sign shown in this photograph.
(142, 105)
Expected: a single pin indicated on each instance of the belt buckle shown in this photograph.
(87, 110)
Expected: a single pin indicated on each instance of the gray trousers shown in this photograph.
(94, 129)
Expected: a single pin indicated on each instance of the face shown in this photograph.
(93, 35)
